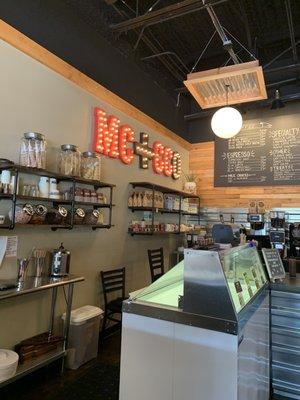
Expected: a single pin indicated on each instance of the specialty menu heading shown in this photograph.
(263, 153)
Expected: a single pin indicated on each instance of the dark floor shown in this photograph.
(46, 383)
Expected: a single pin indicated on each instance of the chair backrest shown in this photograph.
(156, 263)
(222, 233)
(113, 281)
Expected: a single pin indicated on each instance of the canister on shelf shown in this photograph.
(91, 166)
(78, 194)
(23, 213)
(79, 215)
(33, 150)
(70, 160)
(39, 215)
(86, 195)
(56, 216)
(91, 217)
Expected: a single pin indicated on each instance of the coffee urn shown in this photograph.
(60, 262)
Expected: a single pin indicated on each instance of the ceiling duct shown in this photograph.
(245, 82)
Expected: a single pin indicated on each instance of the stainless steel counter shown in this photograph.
(34, 285)
(291, 285)
(285, 331)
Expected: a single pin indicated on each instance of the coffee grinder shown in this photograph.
(277, 231)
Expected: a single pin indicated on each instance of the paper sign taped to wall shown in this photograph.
(12, 246)
(3, 245)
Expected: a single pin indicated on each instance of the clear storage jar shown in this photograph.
(91, 166)
(91, 217)
(23, 213)
(69, 160)
(39, 215)
(33, 150)
(57, 216)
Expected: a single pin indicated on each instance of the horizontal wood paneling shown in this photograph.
(202, 165)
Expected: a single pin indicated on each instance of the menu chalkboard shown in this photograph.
(274, 264)
(264, 152)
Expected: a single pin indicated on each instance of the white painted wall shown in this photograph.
(34, 98)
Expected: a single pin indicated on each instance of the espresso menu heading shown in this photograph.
(263, 153)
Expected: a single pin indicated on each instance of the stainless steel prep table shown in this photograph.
(285, 331)
(33, 285)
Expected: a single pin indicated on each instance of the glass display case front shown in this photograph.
(244, 273)
(239, 271)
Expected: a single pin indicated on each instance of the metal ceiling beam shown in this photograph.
(291, 29)
(163, 14)
(261, 104)
(152, 47)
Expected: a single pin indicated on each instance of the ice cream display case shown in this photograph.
(201, 331)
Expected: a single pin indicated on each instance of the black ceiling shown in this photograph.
(259, 25)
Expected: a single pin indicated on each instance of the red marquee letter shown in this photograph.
(106, 133)
(126, 134)
(158, 158)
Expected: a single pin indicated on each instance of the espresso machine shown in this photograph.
(256, 219)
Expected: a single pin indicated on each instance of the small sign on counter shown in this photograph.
(11, 246)
(274, 264)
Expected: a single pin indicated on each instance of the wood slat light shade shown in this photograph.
(246, 83)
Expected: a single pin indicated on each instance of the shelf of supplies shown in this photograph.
(73, 180)
(91, 182)
(52, 226)
(162, 211)
(58, 176)
(48, 199)
(88, 203)
(163, 189)
(153, 233)
(6, 196)
(156, 210)
(190, 214)
(35, 363)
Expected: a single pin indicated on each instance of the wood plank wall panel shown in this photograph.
(202, 164)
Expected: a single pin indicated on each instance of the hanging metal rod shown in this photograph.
(163, 14)
(291, 29)
(227, 44)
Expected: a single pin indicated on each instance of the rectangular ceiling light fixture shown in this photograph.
(246, 83)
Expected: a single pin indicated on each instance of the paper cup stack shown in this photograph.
(8, 364)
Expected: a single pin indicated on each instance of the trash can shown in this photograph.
(84, 331)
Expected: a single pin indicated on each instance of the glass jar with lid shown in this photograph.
(69, 160)
(57, 216)
(91, 166)
(33, 150)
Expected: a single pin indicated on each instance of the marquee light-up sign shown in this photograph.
(118, 141)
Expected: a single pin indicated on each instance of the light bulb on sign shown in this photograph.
(226, 122)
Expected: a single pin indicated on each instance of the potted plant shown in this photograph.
(190, 185)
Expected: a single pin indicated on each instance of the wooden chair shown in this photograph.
(156, 263)
(113, 282)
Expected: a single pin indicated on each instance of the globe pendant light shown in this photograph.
(227, 121)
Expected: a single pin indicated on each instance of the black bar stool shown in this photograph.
(156, 263)
(113, 282)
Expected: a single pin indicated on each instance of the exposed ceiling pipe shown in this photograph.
(227, 43)
(148, 40)
(163, 14)
(265, 103)
(291, 29)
